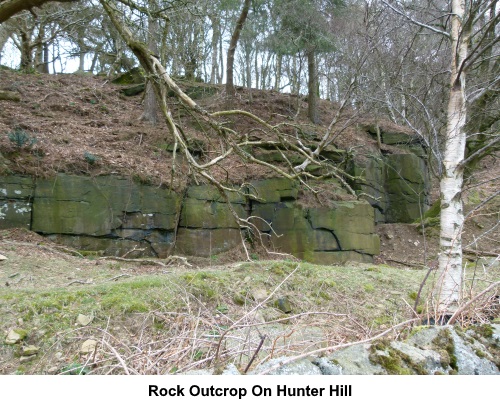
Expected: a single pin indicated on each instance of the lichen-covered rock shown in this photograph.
(407, 187)
(15, 202)
(30, 350)
(300, 367)
(327, 367)
(352, 223)
(355, 360)
(15, 336)
(338, 257)
(468, 361)
(274, 190)
(396, 185)
(133, 76)
(114, 215)
(206, 242)
(425, 361)
(209, 214)
(211, 193)
(15, 214)
(88, 346)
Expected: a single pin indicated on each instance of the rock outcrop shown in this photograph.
(113, 215)
(429, 350)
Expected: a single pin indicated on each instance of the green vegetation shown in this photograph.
(20, 138)
(90, 158)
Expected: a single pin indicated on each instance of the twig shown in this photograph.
(468, 303)
(252, 311)
(262, 338)
(120, 359)
(117, 277)
(79, 282)
(140, 261)
(404, 263)
(422, 284)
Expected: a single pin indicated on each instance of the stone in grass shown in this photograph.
(15, 336)
(88, 346)
(259, 294)
(83, 320)
(29, 350)
(283, 304)
(25, 359)
(2, 257)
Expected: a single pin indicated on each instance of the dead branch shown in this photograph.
(118, 277)
(480, 253)
(79, 282)
(470, 302)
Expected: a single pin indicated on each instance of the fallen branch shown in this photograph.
(147, 262)
(117, 277)
(480, 253)
(419, 265)
(140, 261)
(79, 282)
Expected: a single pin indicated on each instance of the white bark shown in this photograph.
(452, 217)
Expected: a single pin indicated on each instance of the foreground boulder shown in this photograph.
(428, 351)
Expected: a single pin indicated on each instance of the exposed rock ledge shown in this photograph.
(429, 350)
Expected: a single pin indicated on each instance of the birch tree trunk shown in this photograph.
(452, 217)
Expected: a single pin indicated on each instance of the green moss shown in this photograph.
(369, 288)
(383, 355)
(330, 283)
(444, 342)
(239, 298)
(412, 295)
(324, 295)
(484, 330)
(373, 269)
(394, 361)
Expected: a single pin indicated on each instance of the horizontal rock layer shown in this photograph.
(114, 215)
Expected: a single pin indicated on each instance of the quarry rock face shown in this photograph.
(114, 215)
(397, 185)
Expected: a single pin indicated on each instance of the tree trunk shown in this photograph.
(151, 110)
(81, 56)
(26, 57)
(4, 37)
(230, 91)
(215, 56)
(277, 76)
(452, 217)
(10, 7)
(248, 66)
(312, 88)
(45, 66)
